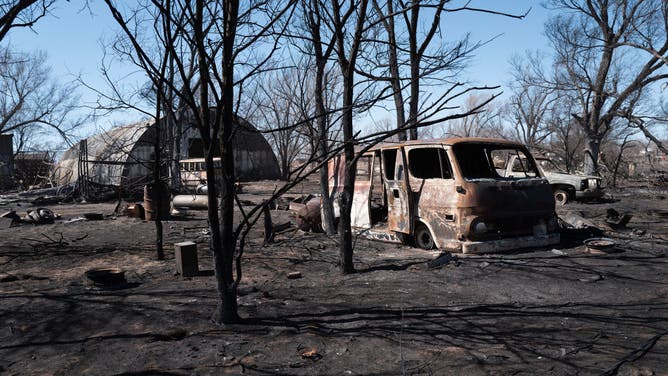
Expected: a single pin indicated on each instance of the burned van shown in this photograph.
(451, 194)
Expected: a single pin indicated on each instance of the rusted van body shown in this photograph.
(450, 194)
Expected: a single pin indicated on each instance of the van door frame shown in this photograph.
(400, 213)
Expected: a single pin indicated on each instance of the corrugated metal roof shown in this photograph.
(108, 154)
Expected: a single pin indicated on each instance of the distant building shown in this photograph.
(33, 169)
(645, 158)
(123, 157)
(6, 161)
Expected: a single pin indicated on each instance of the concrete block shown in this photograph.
(6, 222)
(185, 254)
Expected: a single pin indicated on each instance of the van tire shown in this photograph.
(423, 238)
(561, 197)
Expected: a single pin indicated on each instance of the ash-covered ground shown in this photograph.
(554, 311)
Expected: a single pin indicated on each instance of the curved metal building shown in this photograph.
(123, 157)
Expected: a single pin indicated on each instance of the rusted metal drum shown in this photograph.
(308, 217)
(156, 197)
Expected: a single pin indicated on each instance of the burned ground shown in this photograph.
(555, 311)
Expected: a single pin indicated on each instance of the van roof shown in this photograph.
(446, 141)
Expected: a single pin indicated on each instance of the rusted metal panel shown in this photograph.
(399, 213)
(381, 235)
(336, 169)
(360, 214)
(509, 244)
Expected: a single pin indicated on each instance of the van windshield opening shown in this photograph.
(485, 161)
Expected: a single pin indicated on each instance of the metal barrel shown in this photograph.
(156, 197)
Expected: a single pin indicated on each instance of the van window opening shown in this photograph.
(479, 161)
(429, 163)
(389, 162)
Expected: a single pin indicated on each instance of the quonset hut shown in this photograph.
(123, 157)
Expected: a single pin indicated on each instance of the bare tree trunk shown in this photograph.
(618, 160)
(322, 144)
(395, 78)
(285, 167)
(156, 191)
(347, 59)
(592, 151)
(220, 214)
(323, 150)
(224, 262)
(346, 196)
(413, 102)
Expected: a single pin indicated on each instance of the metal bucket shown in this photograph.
(156, 197)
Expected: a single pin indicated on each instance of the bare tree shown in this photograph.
(348, 25)
(530, 109)
(319, 42)
(483, 123)
(32, 102)
(22, 13)
(284, 100)
(413, 53)
(598, 67)
(219, 41)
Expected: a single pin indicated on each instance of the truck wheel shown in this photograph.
(423, 238)
(560, 197)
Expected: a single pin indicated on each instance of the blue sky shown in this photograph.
(72, 39)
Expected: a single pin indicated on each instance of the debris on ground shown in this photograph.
(134, 211)
(593, 278)
(39, 216)
(106, 277)
(559, 252)
(308, 217)
(294, 275)
(8, 219)
(299, 202)
(94, 216)
(576, 221)
(442, 260)
(615, 220)
(75, 220)
(310, 353)
(600, 245)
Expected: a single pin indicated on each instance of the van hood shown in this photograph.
(490, 197)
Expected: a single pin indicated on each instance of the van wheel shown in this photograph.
(560, 197)
(423, 238)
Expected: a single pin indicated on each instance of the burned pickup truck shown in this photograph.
(565, 186)
(450, 194)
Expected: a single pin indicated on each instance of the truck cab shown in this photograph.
(450, 194)
(566, 187)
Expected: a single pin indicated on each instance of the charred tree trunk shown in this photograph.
(618, 160)
(322, 144)
(591, 154)
(224, 260)
(347, 59)
(346, 196)
(220, 213)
